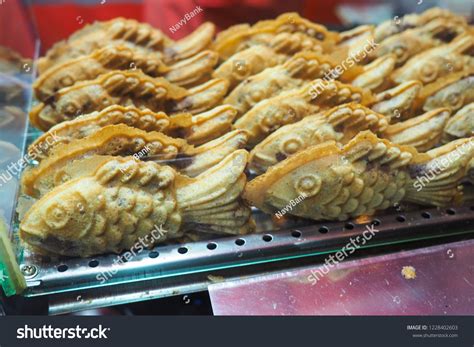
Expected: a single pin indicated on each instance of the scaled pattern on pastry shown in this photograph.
(348, 120)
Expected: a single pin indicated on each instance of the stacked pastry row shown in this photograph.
(150, 131)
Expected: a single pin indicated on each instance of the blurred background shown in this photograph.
(53, 20)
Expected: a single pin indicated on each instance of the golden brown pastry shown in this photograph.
(286, 34)
(375, 76)
(86, 125)
(340, 124)
(125, 200)
(414, 20)
(207, 126)
(438, 62)
(460, 125)
(131, 33)
(422, 132)
(192, 71)
(88, 67)
(246, 63)
(124, 88)
(303, 67)
(397, 103)
(292, 106)
(355, 41)
(410, 42)
(121, 140)
(367, 174)
(454, 91)
(200, 98)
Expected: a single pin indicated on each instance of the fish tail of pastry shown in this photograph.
(211, 153)
(212, 200)
(422, 132)
(210, 125)
(461, 44)
(437, 180)
(192, 44)
(192, 70)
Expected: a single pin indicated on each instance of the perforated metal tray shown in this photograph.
(293, 239)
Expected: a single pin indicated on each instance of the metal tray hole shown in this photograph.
(93, 263)
(401, 218)
(323, 229)
(240, 242)
(349, 226)
(426, 215)
(182, 250)
(267, 238)
(62, 268)
(153, 254)
(451, 211)
(211, 246)
(296, 233)
(376, 222)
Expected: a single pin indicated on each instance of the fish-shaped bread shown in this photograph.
(125, 201)
(397, 102)
(200, 98)
(113, 88)
(353, 42)
(422, 132)
(300, 69)
(88, 67)
(291, 106)
(196, 129)
(453, 91)
(368, 174)
(119, 57)
(83, 126)
(375, 76)
(205, 126)
(410, 42)
(247, 63)
(340, 124)
(292, 28)
(432, 64)
(460, 125)
(415, 20)
(131, 33)
(121, 140)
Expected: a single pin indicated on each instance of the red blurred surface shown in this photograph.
(56, 20)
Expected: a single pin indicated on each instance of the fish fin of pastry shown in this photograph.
(197, 41)
(397, 103)
(201, 98)
(187, 72)
(209, 154)
(376, 74)
(209, 125)
(216, 192)
(436, 181)
(422, 132)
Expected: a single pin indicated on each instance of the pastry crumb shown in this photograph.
(409, 272)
